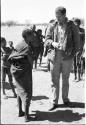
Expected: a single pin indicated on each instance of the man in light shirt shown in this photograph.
(63, 39)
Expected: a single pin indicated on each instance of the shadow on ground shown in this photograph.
(72, 105)
(34, 98)
(60, 115)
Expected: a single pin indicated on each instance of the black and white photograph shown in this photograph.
(42, 62)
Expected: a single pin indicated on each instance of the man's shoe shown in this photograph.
(67, 102)
(53, 107)
(21, 114)
(78, 80)
(15, 95)
(29, 118)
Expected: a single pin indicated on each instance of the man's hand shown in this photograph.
(55, 45)
(79, 54)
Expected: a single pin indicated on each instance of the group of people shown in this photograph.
(62, 43)
(38, 45)
(79, 58)
(17, 62)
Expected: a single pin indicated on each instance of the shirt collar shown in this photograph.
(65, 21)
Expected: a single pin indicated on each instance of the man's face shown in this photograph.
(60, 17)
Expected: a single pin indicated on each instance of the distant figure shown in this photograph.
(41, 46)
(11, 45)
(78, 58)
(21, 69)
(5, 67)
(83, 62)
(35, 45)
(63, 40)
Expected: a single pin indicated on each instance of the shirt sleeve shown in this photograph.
(49, 36)
(76, 38)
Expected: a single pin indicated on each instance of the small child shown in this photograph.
(5, 67)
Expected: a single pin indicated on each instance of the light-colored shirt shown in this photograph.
(61, 37)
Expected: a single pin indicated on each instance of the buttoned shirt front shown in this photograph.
(61, 37)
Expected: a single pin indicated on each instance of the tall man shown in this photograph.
(63, 38)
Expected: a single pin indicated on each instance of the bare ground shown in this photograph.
(74, 114)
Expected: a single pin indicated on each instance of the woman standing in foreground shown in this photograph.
(21, 69)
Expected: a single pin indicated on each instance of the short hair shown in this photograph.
(78, 21)
(39, 30)
(3, 39)
(61, 10)
(25, 32)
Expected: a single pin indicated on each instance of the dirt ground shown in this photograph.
(74, 114)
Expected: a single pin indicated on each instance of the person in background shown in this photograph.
(78, 58)
(62, 37)
(46, 48)
(11, 45)
(21, 69)
(83, 62)
(41, 46)
(35, 45)
(5, 67)
(51, 21)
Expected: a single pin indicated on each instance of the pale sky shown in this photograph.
(39, 11)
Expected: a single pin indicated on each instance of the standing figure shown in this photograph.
(21, 69)
(11, 45)
(41, 45)
(63, 40)
(83, 62)
(5, 67)
(35, 45)
(46, 48)
(78, 59)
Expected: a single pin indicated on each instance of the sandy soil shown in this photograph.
(74, 114)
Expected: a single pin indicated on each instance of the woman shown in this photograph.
(21, 69)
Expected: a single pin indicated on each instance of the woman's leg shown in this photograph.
(21, 113)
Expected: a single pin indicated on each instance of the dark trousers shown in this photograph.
(82, 65)
(23, 80)
(26, 106)
(36, 54)
(77, 67)
(4, 71)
